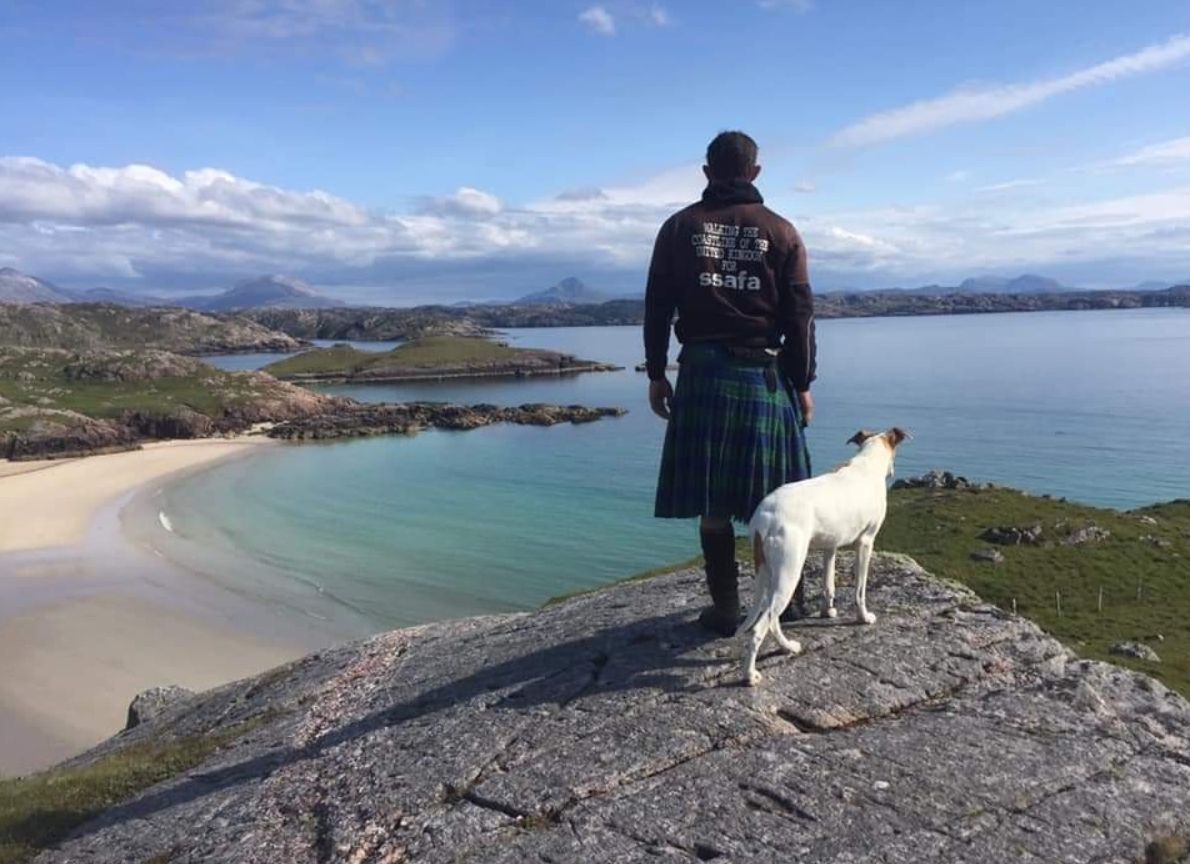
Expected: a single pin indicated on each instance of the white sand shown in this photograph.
(45, 504)
(70, 670)
(81, 635)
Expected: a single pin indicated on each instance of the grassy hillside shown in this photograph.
(426, 357)
(100, 325)
(55, 402)
(1142, 568)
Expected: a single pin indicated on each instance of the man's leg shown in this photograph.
(718, 548)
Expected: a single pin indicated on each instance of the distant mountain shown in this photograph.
(272, 292)
(1027, 284)
(17, 287)
(570, 291)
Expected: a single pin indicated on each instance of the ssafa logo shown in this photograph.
(741, 281)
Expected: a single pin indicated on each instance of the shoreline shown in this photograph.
(90, 615)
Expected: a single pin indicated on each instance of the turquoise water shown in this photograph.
(1090, 405)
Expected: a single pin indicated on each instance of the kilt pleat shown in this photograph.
(729, 441)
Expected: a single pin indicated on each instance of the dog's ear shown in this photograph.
(860, 437)
(895, 436)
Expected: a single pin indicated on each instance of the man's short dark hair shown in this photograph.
(731, 155)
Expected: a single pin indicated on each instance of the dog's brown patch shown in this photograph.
(757, 552)
(861, 436)
(894, 436)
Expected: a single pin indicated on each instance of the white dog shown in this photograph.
(842, 508)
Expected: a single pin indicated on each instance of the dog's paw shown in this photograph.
(752, 677)
(865, 618)
(830, 612)
(792, 647)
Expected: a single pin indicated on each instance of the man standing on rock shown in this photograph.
(735, 272)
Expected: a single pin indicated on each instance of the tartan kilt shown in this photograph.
(729, 441)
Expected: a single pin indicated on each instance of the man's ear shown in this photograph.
(706, 172)
(755, 174)
(860, 437)
(896, 435)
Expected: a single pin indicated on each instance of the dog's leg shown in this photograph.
(762, 589)
(786, 574)
(828, 584)
(863, 559)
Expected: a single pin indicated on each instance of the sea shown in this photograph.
(1093, 406)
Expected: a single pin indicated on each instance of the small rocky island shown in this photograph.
(362, 420)
(429, 358)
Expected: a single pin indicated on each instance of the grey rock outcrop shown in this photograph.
(935, 479)
(152, 703)
(1013, 536)
(609, 728)
(1138, 650)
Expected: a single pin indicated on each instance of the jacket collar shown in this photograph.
(732, 192)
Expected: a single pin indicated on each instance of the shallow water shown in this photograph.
(1090, 405)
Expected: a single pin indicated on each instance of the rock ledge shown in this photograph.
(609, 728)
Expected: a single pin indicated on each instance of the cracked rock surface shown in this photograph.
(610, 728)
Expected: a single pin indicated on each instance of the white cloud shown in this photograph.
(973, 104)
(466, 201)
(959, 176)
(95, 223)
(1008, 186)
(805, 187)
(1165, 153)
(359, 32)
(659, 17)
(599, 20)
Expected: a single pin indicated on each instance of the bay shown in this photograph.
(1089, 405)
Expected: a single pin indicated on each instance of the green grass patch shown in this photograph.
(40, 811)
(1142, 570)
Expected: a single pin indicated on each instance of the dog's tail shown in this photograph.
(762, 592)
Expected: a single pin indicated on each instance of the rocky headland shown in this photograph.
(57, 403)
(610, 728)
(429, 358)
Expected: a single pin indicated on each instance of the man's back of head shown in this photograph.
(732, 156)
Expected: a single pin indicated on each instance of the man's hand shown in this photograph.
(660, 395)
(807, 402)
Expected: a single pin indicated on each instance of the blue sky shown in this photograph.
(414, 150)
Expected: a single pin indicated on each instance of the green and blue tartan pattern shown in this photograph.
(729, 441)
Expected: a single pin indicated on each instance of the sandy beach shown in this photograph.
(87, 620)
(52, 502)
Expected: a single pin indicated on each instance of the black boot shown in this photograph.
(718, 548)
(797, 606)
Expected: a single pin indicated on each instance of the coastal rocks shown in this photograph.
(181, 422)
(153, 702)
(1082, 536)
(58, 435)
(1010, 536)
(1138, 650)
(357, 420)
(989, 556)
(935, 479)
(611, 728)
